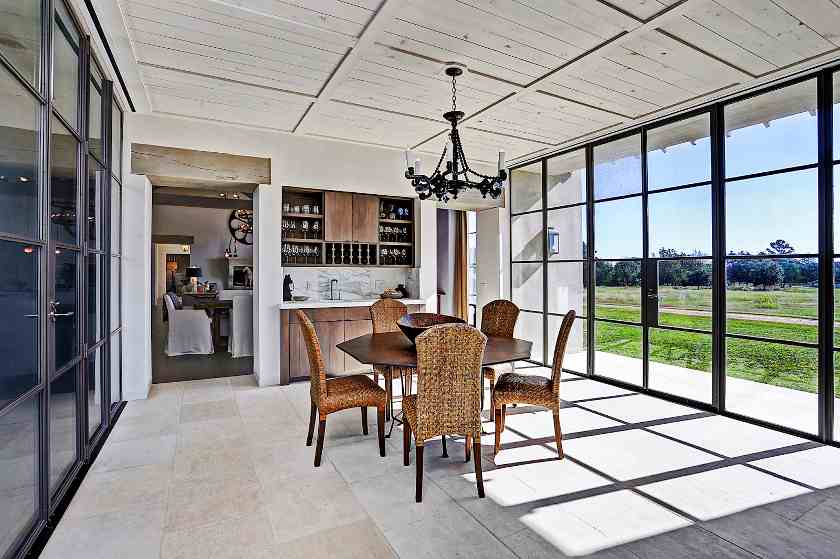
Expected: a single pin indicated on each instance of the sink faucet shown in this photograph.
(334, 283)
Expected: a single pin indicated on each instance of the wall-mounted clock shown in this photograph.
(241, 224)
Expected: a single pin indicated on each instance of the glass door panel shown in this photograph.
(66, 307)
(63, 425)
(19, 467)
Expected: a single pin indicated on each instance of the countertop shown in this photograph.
(341, 303)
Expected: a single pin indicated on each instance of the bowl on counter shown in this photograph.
(299, 298)
(414, 324)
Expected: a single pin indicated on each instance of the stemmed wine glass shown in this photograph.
(304, 228)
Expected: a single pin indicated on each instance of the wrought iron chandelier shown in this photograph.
(457, 176)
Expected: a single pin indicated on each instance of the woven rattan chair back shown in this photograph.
(448, 381)
(560, 349)
(498, 318)
(384, 314)
(317, 370)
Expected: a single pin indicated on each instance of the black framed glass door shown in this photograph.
(60, 334)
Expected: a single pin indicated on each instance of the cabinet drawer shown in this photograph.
(357, 313)
(319, 315)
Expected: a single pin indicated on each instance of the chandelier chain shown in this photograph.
(454, 108)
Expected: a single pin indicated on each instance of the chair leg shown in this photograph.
(479, 477)
(443, 442)
(467, 444)
(419, 490)
(389, 393)
(558, 435)
(499, 427)
(380, 427)
(406, 444)
(312, 413)
(319, 446)
(364, 420)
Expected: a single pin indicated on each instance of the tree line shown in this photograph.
(759, 273)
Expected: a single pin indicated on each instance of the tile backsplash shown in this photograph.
(354, 283)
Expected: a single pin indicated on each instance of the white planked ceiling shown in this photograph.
(542, 73)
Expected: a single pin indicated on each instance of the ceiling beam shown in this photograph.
(606, 47)
(387, 11)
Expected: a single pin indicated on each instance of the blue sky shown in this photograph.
(758, 210)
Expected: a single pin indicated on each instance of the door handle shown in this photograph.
(55, 315)
(653, 296)
(32, 316)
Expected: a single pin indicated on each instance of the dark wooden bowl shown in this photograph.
(414, 324)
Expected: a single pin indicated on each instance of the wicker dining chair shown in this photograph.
(336, 394)
(447, 400)
(512, 388)
(498, 318)
(384, 315)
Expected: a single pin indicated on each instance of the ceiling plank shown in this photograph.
(377, 24)
(605, 49)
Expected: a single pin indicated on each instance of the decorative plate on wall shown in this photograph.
(241, 224)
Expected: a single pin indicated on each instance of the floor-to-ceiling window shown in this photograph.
(59, 245)
(691, 248)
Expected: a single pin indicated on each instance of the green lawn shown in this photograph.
(777, 364)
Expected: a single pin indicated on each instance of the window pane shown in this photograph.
(18, 449)
(836, 118)
(618, 352)
(94, 203)
(837, 207)
(529, 326)
(575, 357)
(684, 294)
(567, 286)
(116, 217)
(66, 66)
(764, 210)
(116, 141)
(773, 298)
(680, 222)
(526, 236)
(115, 294)
(618, 229)
(95, 122)
(681, 363)
(567, 233)
(94, 295)
(527, 284)
(618, 291)
(66, 298)
(64, 225)
(773, 130)
(63, 419)
(19, 130)
(618, 167)
(679, 153)
(116, 368)
(773, 382)
(94, 387)
(19, 327)
(20, 28)
(526, 188)
(567, 179)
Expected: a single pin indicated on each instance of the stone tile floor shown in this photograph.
(219, 469)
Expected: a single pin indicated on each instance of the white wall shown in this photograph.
(137, 287)
(295, 161)
(489, 256)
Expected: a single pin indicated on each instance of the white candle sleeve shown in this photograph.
(501, 160)
(416, 166)
(407, 159)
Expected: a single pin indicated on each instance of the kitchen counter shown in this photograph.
(340, 303)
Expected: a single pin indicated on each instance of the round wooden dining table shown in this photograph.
(393, 349)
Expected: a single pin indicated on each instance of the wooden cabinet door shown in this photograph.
(354, 329)
(298, 357)
(330, 334)
(338, 216)
(365, 218)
